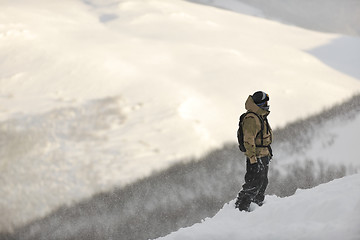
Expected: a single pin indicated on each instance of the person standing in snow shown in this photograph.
(257, 137)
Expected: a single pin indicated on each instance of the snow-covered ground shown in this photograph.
(316, 14)
(329, 211)
(96, 94)
(329, 138)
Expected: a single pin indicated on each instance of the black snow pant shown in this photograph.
(255, 184)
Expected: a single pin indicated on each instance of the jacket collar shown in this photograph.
(252, 107)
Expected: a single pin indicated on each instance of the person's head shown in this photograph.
(261, 99)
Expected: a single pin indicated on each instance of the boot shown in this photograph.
(259, 200)
(243, 203)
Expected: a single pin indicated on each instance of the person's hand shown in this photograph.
(253, 160)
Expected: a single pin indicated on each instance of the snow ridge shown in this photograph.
(328, 211)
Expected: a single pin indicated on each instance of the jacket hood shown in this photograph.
(252, 107)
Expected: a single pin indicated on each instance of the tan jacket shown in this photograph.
(251, 127)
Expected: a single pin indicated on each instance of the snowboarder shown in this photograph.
(257, 137)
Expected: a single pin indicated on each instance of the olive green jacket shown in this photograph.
(251, 127)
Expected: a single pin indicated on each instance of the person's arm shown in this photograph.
(250, 129)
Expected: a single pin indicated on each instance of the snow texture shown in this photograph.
(329, 211)
(99, 94)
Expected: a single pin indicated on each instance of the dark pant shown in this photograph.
(255, 184)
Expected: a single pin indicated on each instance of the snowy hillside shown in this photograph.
(186, 193)
(99, 94)
(329, 137)
(329, 211)
(316, 14)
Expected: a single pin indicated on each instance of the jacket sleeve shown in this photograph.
(250, 130)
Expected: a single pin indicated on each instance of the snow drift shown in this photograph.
(329, 211)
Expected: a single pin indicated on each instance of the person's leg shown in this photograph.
(250, 188)
(259, 198)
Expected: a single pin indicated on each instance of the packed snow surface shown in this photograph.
(329, 211)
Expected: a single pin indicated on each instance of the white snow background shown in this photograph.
(97, 94)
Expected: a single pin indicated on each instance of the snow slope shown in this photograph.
(96, 94)
(186, 193)
(329, 137)
(329, 211)
(316, 15)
